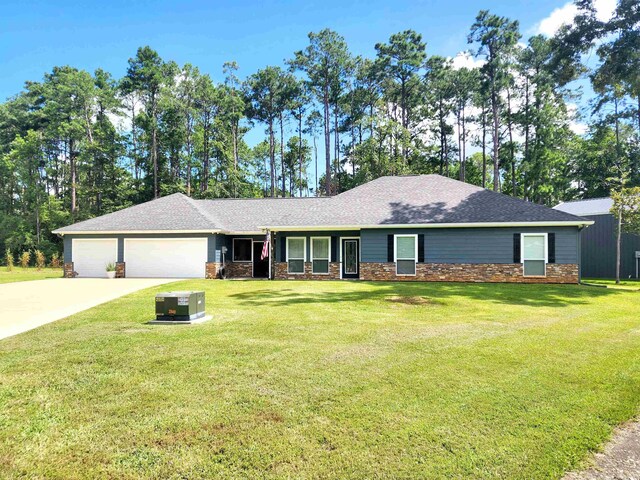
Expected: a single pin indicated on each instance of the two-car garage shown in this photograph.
(143, 257)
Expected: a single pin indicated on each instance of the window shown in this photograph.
(534, 254)
(296, 247)
(242, 249)
(406, 254)
(320, 253)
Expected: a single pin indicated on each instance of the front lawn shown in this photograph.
(19, 274)
(325, 380)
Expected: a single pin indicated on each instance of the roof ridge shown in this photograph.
(208, 217)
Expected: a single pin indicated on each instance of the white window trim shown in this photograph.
(233, 251)
(546, 253)
(415, 254)
(304, 259)
(328, 257)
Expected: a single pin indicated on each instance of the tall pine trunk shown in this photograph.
(282, 165)
(300, 159)
(484, 146)
(272, 159)
(327, 141)
(496, 138)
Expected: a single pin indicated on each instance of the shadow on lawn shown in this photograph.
(531, 295)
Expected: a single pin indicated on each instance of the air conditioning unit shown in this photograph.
(179, 306)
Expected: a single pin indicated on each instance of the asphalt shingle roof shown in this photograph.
(406, 200)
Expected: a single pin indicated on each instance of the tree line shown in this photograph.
(78, 144)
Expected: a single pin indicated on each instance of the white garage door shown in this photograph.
(165, 257)
(90, 256)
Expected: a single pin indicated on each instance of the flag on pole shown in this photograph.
(265, 246)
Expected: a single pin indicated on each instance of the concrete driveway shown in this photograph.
(27, 305)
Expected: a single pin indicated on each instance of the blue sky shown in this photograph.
(207, 33)
(105, 34)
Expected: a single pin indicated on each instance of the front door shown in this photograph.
(260, 267)
(350, 258)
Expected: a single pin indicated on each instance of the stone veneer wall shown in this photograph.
(282, 273)
(67, 270)
(120, 270)
(212, 270)
(470, 272)
(239, 269)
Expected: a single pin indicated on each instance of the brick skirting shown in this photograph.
(67, 270)
(212, 270)
(238, 269)
(120, 270)
(470, 272)
(283, 274)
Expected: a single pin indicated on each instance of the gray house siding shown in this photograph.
(279, 254)
(211, 244)
(470, 245)
(598, 249)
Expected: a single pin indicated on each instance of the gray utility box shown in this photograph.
(179, 306)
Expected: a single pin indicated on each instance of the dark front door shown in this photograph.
(260, 267)
(350, 258)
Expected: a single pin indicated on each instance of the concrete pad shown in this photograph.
(195, 321)
(27, 305)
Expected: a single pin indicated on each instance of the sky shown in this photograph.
(206, 33)
(37, 35)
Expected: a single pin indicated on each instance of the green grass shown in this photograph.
(19, 274)
(325, 380)
(628, 284)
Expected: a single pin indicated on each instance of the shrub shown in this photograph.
(55, 261)
(9, 259)
(41, 260)
(110, 267)
(25, 258)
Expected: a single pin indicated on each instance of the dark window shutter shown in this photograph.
(334, 249)
(389, 248)
(516, 248)
(551, 240)
(421, 248)
(283, 249)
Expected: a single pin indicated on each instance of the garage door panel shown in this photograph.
(165, 258)
(91, 256)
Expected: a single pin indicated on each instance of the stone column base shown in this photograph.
(212, 270)
(67, 270)
(120, 270)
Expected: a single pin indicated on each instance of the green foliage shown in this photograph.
(110, 267)
(626, 208)
(78, 144)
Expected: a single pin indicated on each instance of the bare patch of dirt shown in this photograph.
(620, 459)
(413, 300)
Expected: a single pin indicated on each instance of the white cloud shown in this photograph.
(565, 16)
(466, 60)
(575, 124)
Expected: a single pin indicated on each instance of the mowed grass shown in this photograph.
(627, 283)
(325, 380)
(19, 274)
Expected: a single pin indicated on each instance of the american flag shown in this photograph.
(265, 246)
